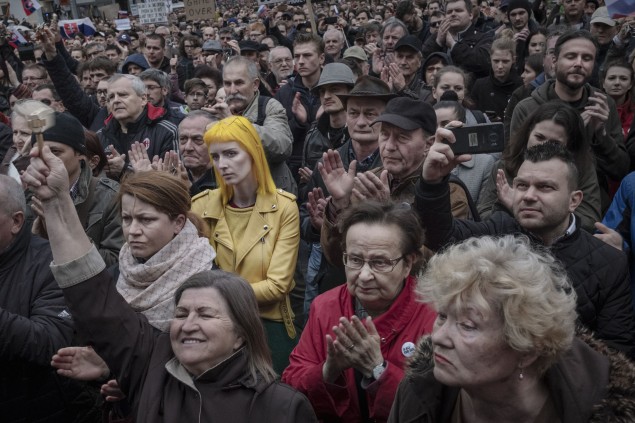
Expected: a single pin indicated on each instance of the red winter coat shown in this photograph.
(399, 328)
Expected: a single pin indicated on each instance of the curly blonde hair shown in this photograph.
(506, 277)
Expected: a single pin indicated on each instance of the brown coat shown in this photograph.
(404, 191)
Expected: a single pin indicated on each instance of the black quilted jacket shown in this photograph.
(599, 273)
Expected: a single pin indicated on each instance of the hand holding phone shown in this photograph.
(478, 139)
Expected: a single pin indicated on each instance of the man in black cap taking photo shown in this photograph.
(406, 132)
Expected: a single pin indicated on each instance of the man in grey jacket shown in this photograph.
(241, 80)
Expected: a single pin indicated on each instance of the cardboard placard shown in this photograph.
(199, 9)
(153, 11)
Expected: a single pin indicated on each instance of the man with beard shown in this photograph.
(281, 66)
(407, 13)
(574, 60)
(520, 22)
(240, 81)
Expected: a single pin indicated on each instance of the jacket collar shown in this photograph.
(392, 322)
(259, 225)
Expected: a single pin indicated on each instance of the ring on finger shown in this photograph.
(350, 347)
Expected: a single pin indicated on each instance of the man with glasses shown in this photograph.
(434, 21)
(46, 94)
(195, 94)
(157, 90)
(34, 75)
(281, 66)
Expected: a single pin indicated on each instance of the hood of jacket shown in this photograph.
(137, 59)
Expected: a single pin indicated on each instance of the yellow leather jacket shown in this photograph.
(266, 256)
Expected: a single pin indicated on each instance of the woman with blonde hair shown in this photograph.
(254, 227)
(504, 346)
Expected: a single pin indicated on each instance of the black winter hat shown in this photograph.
(519, 4)
(67, 130)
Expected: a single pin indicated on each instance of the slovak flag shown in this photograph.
(70, 27)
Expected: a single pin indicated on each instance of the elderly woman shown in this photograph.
(351, 355)
(213, 362)
(254, 228)
(503, 346)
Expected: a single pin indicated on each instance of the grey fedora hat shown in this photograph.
(336, 73)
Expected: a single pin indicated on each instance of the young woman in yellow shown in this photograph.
(254, 228)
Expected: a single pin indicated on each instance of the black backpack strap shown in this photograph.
(262, 110)
(479, 116)
(470, 201)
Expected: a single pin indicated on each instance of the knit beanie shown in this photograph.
(519, 4)
(67, 130)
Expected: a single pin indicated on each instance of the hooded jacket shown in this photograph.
(612, 159)
(589, 383)
(137, 59)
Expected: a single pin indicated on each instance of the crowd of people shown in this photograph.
(262, 217)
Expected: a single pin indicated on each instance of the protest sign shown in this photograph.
(199, 9)
(153, 11)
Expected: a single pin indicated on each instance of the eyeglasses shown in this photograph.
(379, 265)
(102, 93)
(435, 24)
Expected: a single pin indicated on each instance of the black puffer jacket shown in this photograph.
(598, 272)
(589, 383)
(34, 324)
(492, 95)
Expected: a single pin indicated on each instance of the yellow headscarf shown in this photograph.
(239, 129)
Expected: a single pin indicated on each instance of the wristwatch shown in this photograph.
(378, 370)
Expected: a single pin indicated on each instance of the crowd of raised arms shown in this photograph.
(268, 216)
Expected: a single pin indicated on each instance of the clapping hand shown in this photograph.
(316, 207)
(356, 345)
(338, 180)
(139, 159)
(116, 163)
(368, 186)
(504, 190)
